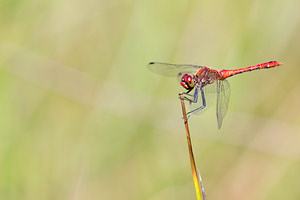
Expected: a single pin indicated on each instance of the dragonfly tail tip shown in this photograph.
(279, 63)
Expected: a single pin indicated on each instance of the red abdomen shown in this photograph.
(228, 73)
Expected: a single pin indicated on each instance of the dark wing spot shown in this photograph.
(151, 63)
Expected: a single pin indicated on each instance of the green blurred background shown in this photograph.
(81, 116)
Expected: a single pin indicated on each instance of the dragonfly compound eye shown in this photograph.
(187, 82)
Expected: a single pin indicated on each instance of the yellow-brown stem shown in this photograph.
(193, 165)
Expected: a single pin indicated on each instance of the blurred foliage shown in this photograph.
(82, 117)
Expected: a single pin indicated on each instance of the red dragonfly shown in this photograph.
(205, 81)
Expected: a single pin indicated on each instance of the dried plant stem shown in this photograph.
(193, 165)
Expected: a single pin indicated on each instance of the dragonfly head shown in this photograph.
(187, 81)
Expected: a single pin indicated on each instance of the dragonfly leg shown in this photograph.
(192, 98)
(192, 112)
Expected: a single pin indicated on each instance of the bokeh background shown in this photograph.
(81, 116)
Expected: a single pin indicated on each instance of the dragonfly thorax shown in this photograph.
(206, 76)
(187, 81)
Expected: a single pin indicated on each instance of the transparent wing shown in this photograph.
(211, 88)
(223, 95)
(167, 69)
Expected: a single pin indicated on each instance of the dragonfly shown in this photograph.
(201, 81)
